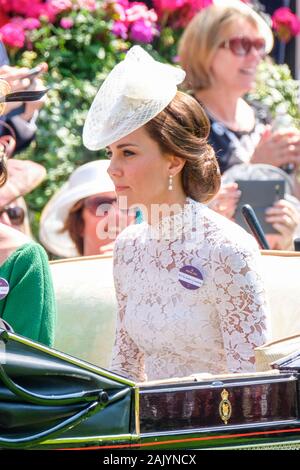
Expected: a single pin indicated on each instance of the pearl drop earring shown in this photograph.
(170, 187)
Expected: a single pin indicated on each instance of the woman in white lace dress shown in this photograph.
(187, 279)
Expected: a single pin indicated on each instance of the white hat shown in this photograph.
(134, 92)
(85, 181)
(248, 10)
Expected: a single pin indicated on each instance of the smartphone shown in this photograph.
(35, 71)
(260, 194)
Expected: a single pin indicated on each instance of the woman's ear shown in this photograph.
(176, 164)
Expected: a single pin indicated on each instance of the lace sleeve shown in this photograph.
(241, 304)
(127, 359)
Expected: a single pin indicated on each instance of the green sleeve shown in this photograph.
(30, 306)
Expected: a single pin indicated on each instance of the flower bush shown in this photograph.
(276, 88)
(82, 40)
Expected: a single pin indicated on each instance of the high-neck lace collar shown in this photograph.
(178, 225)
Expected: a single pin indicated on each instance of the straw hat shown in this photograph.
(23, 177)
(85, 181)
(135, 91)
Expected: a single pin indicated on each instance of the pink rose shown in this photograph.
(142, 31)
(89, 5)
(31, 23)
(13, 35)
(285, 23)
(119, 29)
(61, 5)
(66, 23)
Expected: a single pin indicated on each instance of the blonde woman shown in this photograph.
(220, 51)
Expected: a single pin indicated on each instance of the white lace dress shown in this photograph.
(190, 297)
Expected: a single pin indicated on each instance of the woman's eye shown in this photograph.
(128, 153)
(108, 154)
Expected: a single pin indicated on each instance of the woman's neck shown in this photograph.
(91, 249)
(10, 240)
(172, 203)
(223, 106)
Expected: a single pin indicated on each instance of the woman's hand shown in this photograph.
(285, 218)
(33, 106)
(226, 200)
(278, 148)
(16, 77)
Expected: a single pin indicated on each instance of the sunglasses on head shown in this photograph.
(99, 205)
(16, 214)
(241, 46)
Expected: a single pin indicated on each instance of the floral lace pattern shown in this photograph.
(165, 329)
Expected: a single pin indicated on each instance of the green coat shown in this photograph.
(29, 306)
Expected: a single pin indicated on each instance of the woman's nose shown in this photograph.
(254, 53)
(114, 168)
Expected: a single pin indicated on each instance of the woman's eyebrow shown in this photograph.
(128, 144)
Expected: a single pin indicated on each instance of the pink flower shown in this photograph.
(32, 8)
(13, 35)
(177, 13)
(142, 31)
(61, 5)
(66, 23)
(139, 11)
(5, 6)
(286, 23)
(3, 18)
(31, 23)
(169, 5)
(120, 11)
(119, 29)
(89, 5)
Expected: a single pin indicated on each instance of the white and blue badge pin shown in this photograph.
(190, 277)
(4, 288)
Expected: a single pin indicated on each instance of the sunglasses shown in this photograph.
(241, 46)
(16, 214)
(92, 204)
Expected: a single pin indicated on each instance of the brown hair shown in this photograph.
(74, 225)
(182, 129)
(3, 169)
(204, 34)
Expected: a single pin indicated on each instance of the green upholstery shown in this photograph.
(87, 305)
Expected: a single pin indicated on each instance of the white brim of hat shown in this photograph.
(54, 214)
(259, 20)
(134, 92)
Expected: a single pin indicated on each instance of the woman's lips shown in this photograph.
(121, 188)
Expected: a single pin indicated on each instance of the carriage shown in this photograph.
(51, 399)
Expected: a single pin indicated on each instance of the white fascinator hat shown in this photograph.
(87, 180)
(134, 92)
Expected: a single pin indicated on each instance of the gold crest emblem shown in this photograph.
(225, 408)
